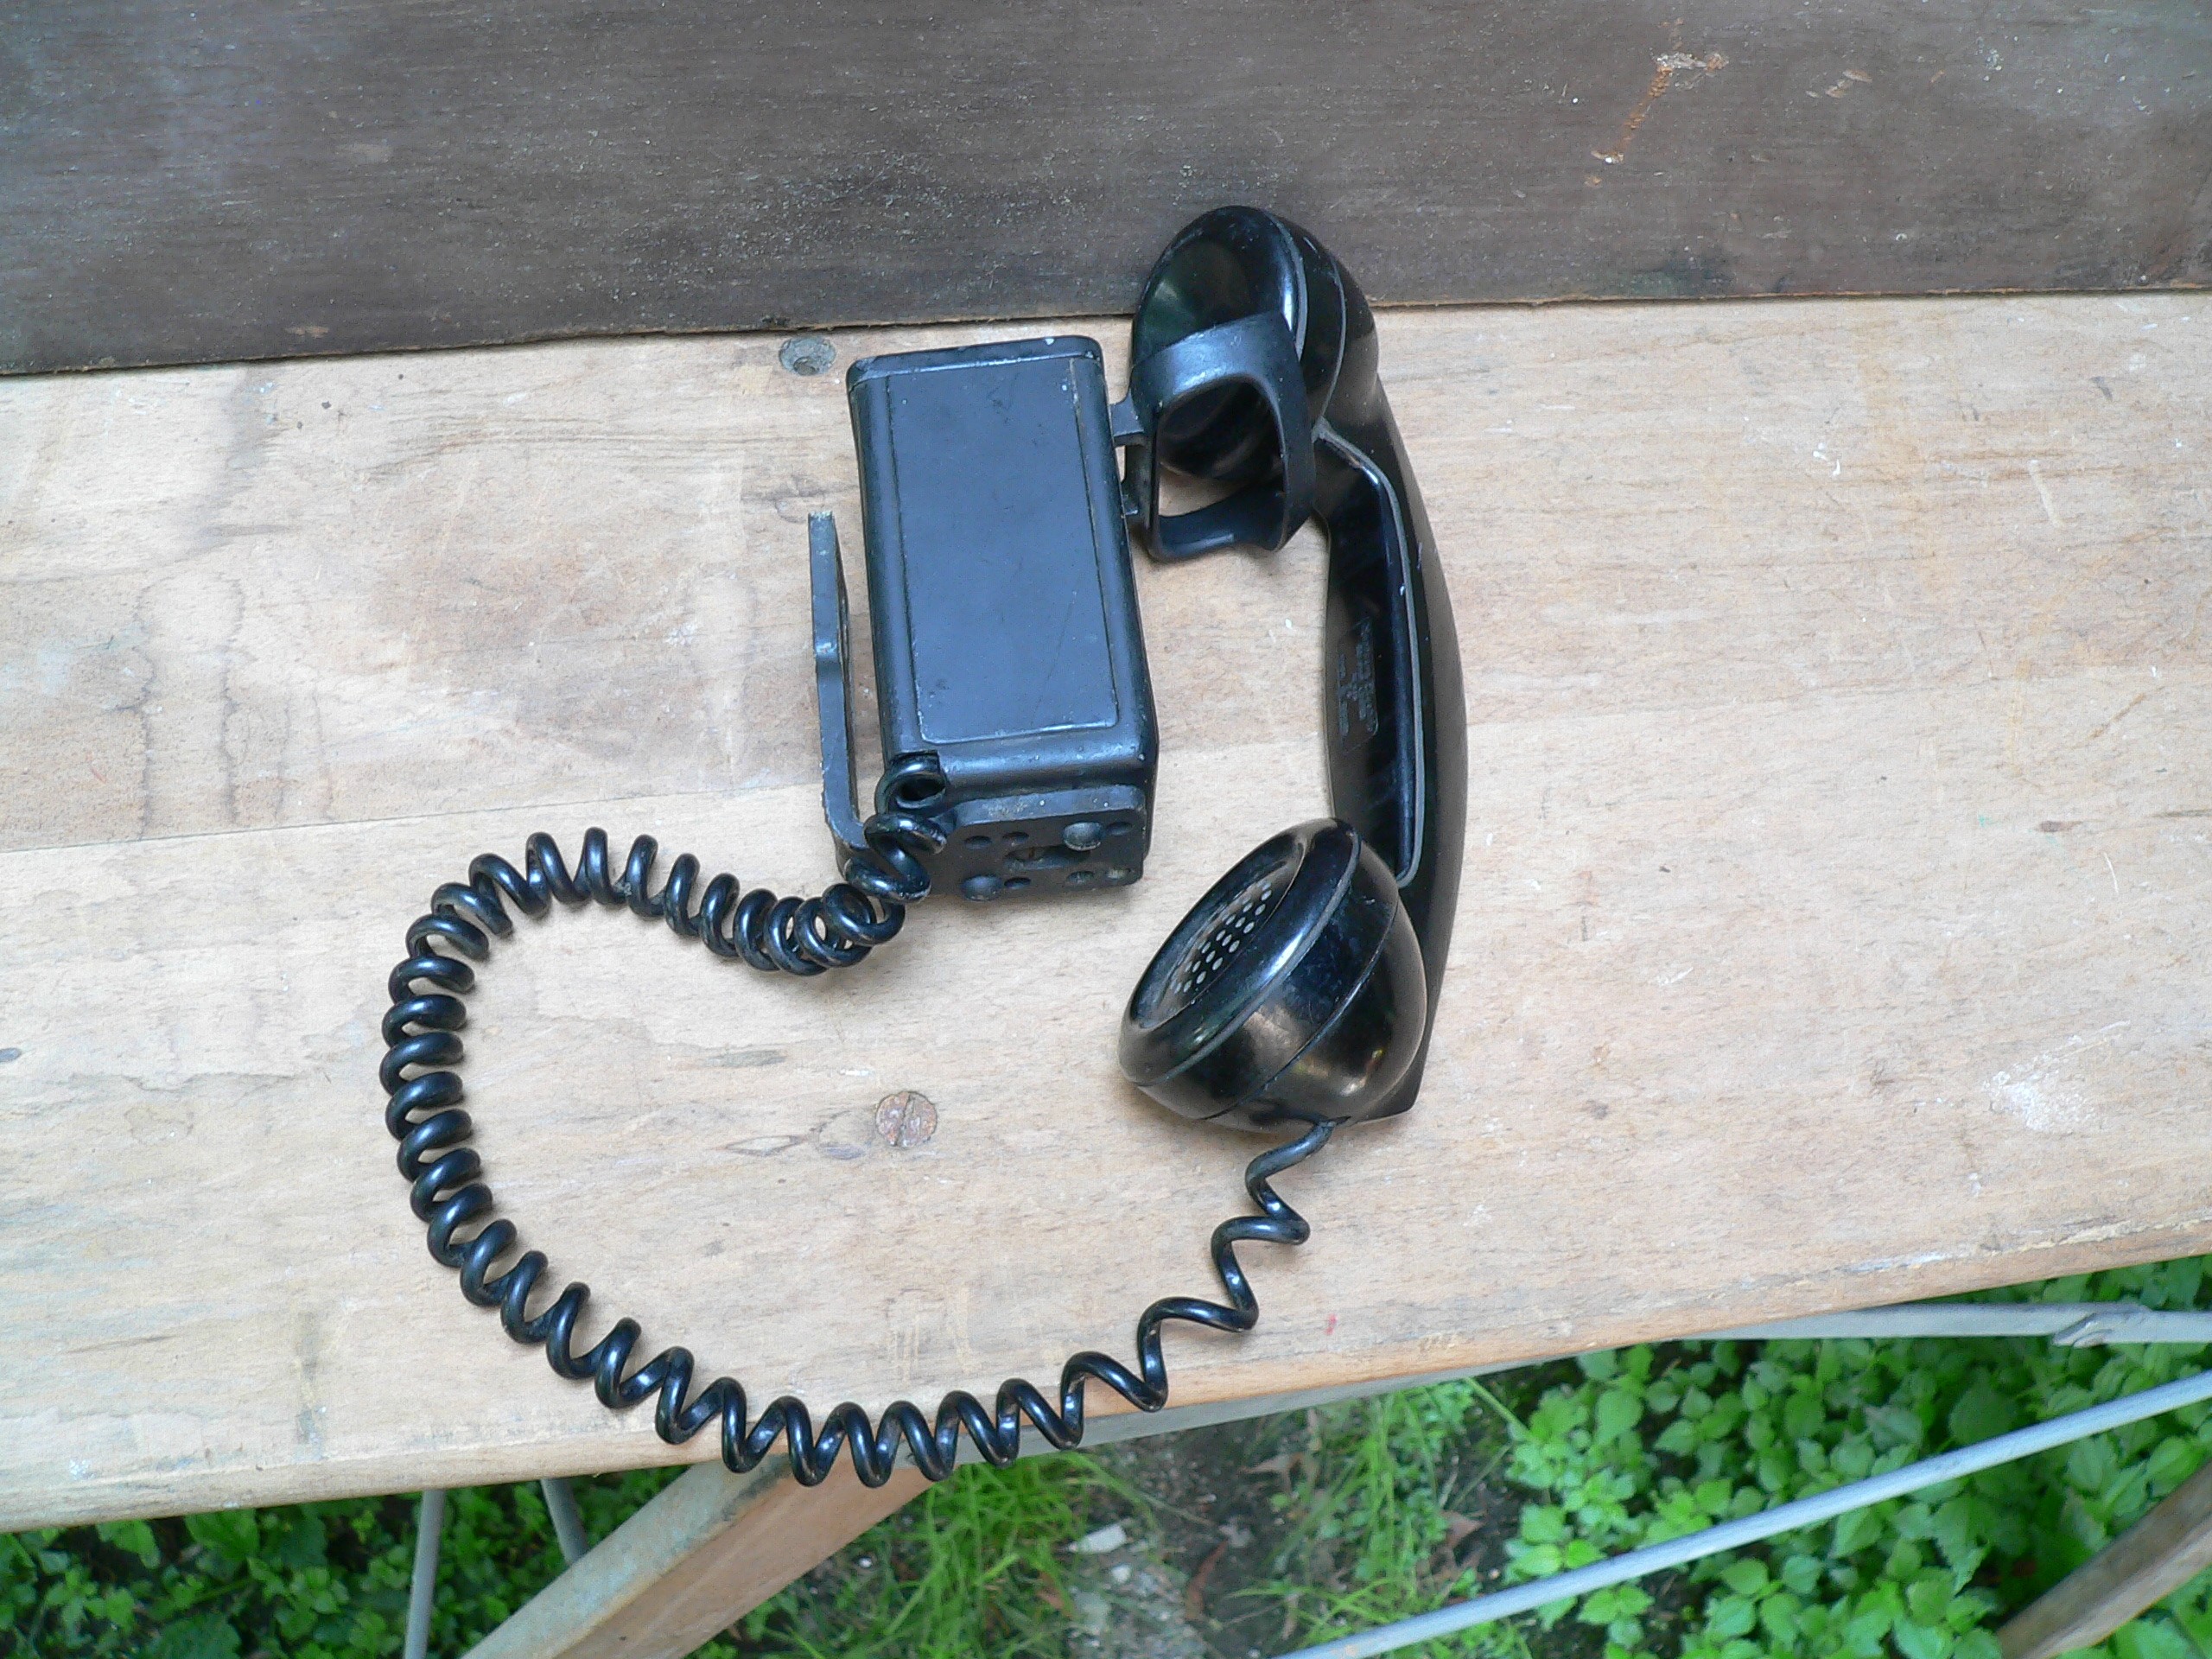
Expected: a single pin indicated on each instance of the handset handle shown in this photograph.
(1394, 707)
(1400, 778)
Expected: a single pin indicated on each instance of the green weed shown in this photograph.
(970, 1567)
(312, 1581)
(1649, 1444)
(973, 1567)
(1372, 1517)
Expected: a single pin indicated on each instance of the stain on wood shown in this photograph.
(241, 180)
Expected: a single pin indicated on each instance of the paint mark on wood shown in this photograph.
(2050, 1094)
(2140, 698)
(1665, 67)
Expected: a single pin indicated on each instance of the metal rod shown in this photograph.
(429, 1528)
(1788, 1517)
(2070, 1325)
(567, 1525)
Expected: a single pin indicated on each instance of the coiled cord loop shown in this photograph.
(804, 937)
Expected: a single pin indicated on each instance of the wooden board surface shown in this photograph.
(2152, 1559)
(1833, 931)
(238, 179)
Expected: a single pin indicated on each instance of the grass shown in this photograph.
(976, 1566)
(1368, 1512)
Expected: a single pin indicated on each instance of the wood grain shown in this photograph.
(692, 1561)
(236, 179)
(1834, 930)
(2145, 1564)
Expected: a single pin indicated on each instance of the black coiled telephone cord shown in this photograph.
(785, 935)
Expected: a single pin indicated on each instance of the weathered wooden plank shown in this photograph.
(2145, 1564)
(1834, 930)
(699, 1556)
(236, 179)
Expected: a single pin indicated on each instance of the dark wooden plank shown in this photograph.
(246, 178)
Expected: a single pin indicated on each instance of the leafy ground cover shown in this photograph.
(1255, 1537)
(1631, 1448)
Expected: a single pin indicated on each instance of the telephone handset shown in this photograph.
(1299, 992)
(1256, 366)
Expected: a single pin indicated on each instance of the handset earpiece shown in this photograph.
(1304, 984)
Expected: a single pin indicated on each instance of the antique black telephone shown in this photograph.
(1020, 747)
